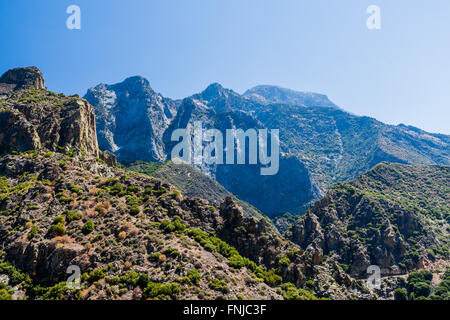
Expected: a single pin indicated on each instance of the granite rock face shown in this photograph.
(131, 119)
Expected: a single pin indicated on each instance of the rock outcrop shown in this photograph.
(21, 78)
(394, 216)
(33, 118)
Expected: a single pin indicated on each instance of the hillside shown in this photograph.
(394, 216)
(190, 181)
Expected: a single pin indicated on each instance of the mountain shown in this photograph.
(131, 119)
(66, 205)
(394, 216)
(265, 94)
(291, 190)
(131, 236)
(320, 143)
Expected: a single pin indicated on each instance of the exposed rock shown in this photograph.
(21, 78)
(131, 119)
(36, 118)
(376, 220)
(108, 157)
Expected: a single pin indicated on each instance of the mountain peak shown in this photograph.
(213, 90)
(21, 78)
(137, 82)
(273, 94)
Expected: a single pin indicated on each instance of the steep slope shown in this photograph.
(190, 181)
(291, 189)
(131, 119)
(394, 216)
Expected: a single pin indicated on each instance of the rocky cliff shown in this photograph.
(33, 118)
(394, 216)
(131, 119)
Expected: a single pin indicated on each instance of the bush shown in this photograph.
(116, 189)
(122, 235)
(400, 294)
(75, 188)
(419, 283)
(32, 233)
(134, 210)
(59, 219)
(172, 226)
(271, 278)
(290, 292)
(72, 215)
(194, 276)
(4, 294)
(15, 276)
(133, 190)
(57, 230)
(218, 285)
(172, 252)
(284, 261)
(161, 291)
(421, 289)
(88, 227)
(96, 275)
(130, 278)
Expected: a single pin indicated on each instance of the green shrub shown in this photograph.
(75, 188)
(59, 219)
(57, 230)
(218, 285)
(88, 227)
(72, 215)
(284, 261)
(161, 291)
(15, 276)
(172, 226)
(194, 276)
(400, 294)
(421, 289)
(133, 189)
(96, 275)
(134, 210)
(171, 252)
(290, 292)
(271, 278)
(116, 189)
(33, 232)
(130, 278)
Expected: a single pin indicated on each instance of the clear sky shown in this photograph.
(399, 74)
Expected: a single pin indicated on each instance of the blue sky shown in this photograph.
(399, 74)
